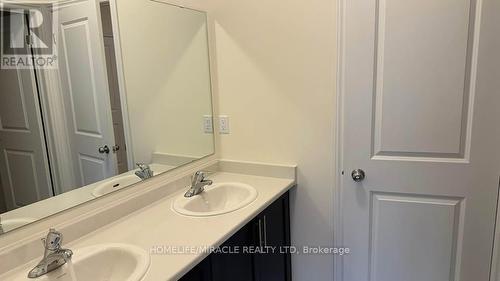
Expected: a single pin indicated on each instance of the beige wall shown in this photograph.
(276, 66)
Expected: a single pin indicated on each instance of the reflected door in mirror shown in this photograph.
(84, 83)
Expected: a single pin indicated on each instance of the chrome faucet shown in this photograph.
(198, 183)
(144, 172)
(54, 256)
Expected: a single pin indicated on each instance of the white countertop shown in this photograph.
(66, 200)
(160, 225)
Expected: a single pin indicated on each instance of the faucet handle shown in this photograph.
(199, 174)
(204, 173)
(197, 177)
(53, 240)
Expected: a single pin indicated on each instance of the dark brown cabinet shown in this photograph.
(262, 250)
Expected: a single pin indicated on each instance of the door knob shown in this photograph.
(104, 149)
(358, 175)
(115, 148)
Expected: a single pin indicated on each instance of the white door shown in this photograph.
(85, 88)
(24, 166)
(421, 116)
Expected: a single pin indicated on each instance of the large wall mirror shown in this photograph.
(96, 96)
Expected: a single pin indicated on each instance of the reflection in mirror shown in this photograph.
(96, 96)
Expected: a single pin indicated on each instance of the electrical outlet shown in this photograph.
(208, 126)
(223, 124)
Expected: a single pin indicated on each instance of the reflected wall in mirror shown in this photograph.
(96, 96)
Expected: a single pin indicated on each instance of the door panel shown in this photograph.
(85, 86)
(397, 219)
(422, 49)
(83, 96)
(420, 111)
(92, 169)
(13, 107)
(22, 177)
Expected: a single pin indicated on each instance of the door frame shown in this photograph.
(338, 230)
(339, 158)
(121, 78)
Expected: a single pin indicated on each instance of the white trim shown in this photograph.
(58, 5)
(67, 3)
(338, 230)
(121, 84)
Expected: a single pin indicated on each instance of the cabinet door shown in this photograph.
(202, 272)
(238, 266)
(273, 234)
(271, 228)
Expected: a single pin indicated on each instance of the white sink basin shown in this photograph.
(10, 224)
(105, 262)
(115, 184)
(217, 199)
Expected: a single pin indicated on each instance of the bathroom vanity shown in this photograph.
(139, 233)
(258, 251)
